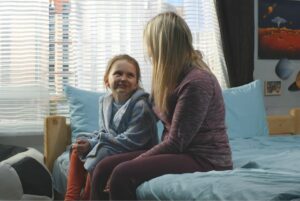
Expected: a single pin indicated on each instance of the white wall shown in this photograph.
(265, 70)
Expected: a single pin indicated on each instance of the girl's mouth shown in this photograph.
(121, 85)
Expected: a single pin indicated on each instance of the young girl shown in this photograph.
(188, 100)
(126, 124)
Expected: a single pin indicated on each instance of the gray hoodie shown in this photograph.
(135, 129)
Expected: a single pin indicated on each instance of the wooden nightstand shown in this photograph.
(285, 124)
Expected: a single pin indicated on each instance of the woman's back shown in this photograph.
(197, 114)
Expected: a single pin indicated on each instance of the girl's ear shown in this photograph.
(106, 83)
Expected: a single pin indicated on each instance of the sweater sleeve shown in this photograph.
(141, 129)
(190, 112)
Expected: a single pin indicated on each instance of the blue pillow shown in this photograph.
(84, 109)
(160, 129)
(245, 111)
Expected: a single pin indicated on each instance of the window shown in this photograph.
(44, 46)
(88, 33)
(23, 66)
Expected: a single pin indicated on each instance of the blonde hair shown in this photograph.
(168, 41)
(129, 59)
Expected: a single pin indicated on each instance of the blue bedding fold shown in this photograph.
(265, 168)
(239, 184)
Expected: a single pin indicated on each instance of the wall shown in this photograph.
(35, 141)
(265, 70)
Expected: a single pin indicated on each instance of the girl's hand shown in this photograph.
(82, 147)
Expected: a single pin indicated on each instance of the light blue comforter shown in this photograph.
(265, 168)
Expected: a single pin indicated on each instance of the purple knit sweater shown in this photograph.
(195, 124)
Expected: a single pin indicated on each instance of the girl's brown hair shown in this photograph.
(128, 59)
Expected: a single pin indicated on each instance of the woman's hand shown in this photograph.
(82, 147)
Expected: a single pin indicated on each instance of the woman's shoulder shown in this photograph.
(199, 81)
(198, 72)
(198, 76)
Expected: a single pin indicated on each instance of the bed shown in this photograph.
(265, 149)
(265, 168)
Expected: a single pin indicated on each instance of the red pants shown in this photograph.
(77, 179)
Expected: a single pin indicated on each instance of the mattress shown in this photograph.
(60, 172)
(265, 168)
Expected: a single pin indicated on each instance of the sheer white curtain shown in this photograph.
(89, 32)
(23, 66)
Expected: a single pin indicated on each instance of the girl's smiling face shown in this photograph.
(122, 80)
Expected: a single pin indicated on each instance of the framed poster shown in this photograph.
(272, 88)
(278, 29)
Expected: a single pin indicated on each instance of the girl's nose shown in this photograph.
(123, 77)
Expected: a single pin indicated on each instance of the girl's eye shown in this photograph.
(131, 75)
(117, 73)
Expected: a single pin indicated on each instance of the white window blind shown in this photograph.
(23, 66)
(45, 46)
(85, 34)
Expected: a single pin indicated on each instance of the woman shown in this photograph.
(188, 100)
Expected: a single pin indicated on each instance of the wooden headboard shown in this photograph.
(285, 124)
